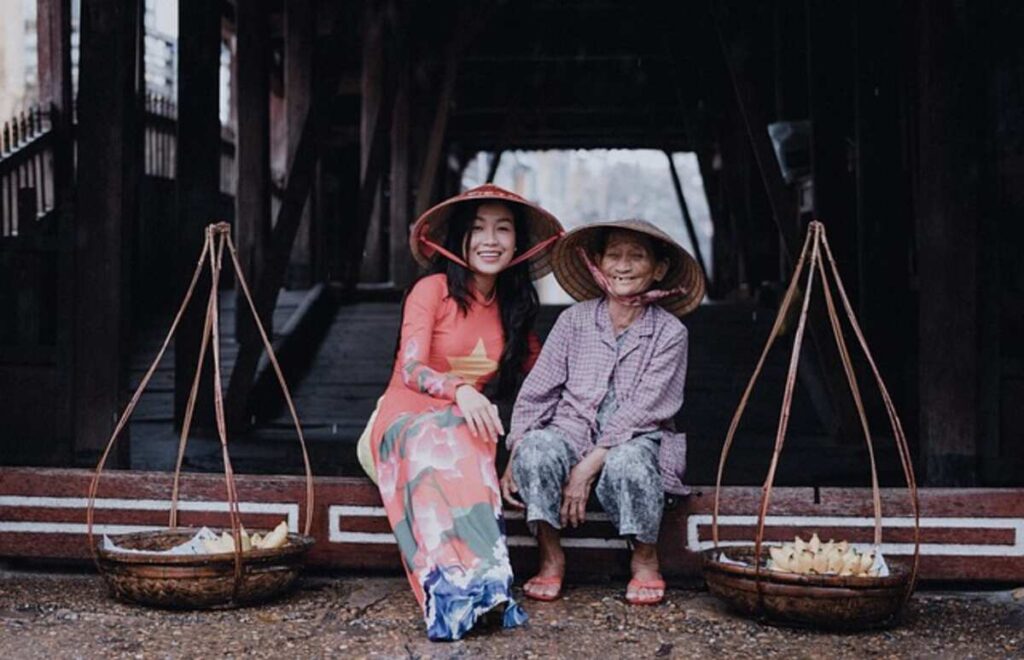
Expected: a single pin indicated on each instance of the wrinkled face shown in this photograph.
(629, 263)
(490, 243)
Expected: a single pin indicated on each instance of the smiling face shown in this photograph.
(629, 263)
(490, 242)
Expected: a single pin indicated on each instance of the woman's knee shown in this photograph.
(631, 464)
(535, 452)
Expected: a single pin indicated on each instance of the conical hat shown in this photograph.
(433, 225)
(574, 276)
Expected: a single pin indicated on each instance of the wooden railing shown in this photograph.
(161, 143)
(26, 171)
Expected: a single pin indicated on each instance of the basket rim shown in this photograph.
(298, 544)
(898, 577)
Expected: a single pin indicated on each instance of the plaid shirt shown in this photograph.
(578, 361)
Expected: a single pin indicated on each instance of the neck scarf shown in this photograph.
(634, 300)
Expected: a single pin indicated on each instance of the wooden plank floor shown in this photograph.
(153, 437)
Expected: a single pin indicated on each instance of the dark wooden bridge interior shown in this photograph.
(349, 119)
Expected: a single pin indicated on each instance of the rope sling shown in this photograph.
(217, 237)
(813, 255)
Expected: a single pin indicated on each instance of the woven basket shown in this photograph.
(817, 601)
(198, 581)
(826, 601)
(211, 580)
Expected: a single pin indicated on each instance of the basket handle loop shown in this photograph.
(280, 379)
(133, 402)
(894, 420)
(780, 318)
(787, 403)
(218, 232)
(819, 251)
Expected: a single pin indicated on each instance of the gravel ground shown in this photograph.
(61, 615)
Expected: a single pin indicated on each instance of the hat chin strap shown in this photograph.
(529, 254)
(634, 300)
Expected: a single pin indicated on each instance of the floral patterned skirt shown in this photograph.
(441, 494)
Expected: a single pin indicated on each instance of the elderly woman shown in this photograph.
(596, 411)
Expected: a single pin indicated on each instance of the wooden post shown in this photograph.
(197, 182)
(299, 43)
(372, 123)
(687, 219)
(53, 31)
(302, 170)
(402, 268)
(252, 154)
(492, 168)
(435, 142)
(53, 25)
(948, 206)
(109, 164)
(830, 94)
(723, 245)
(376, 116)
(885, 218)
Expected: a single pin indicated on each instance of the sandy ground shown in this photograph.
(69, 615)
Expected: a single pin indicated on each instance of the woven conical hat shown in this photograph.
(574, 276)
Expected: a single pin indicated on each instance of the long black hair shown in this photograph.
(517, 298)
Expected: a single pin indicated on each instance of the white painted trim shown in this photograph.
(335, 512)
(695, 544)
(288, 509)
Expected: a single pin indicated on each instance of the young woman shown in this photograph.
(465, 337)
(596, 411)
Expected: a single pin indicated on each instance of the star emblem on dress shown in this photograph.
(474, 366)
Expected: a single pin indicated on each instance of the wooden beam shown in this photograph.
(375, 118)
(299, 44)
(948, 207)
(492, 168)
(252, 155)
(723, 278)
(830, 54)
(755, 123)
(687, 219)
(402, 268)
(266, 287)
(425, 190)
(53, 25)
(109, 166)
(378, 97)
(53, 32)
(987, 549)
(302, 170)
(197, 185)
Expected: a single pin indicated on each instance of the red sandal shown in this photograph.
(636, 585)
(544, 581)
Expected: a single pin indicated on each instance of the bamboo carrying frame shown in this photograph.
(218, 236)
(816, 250)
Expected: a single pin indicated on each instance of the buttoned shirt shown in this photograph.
(579, 360)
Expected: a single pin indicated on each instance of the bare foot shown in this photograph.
(647, 585)
(547, 583)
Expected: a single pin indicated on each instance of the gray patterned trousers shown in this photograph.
(629, 488)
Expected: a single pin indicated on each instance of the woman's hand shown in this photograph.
(481, 415)
(509, 489)
(577, 490)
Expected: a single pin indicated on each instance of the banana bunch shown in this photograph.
(226, 543)
(816, 558)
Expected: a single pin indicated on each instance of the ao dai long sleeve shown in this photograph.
(575, 367)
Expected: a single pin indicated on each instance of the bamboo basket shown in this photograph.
(220, 580)
(822, 601)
